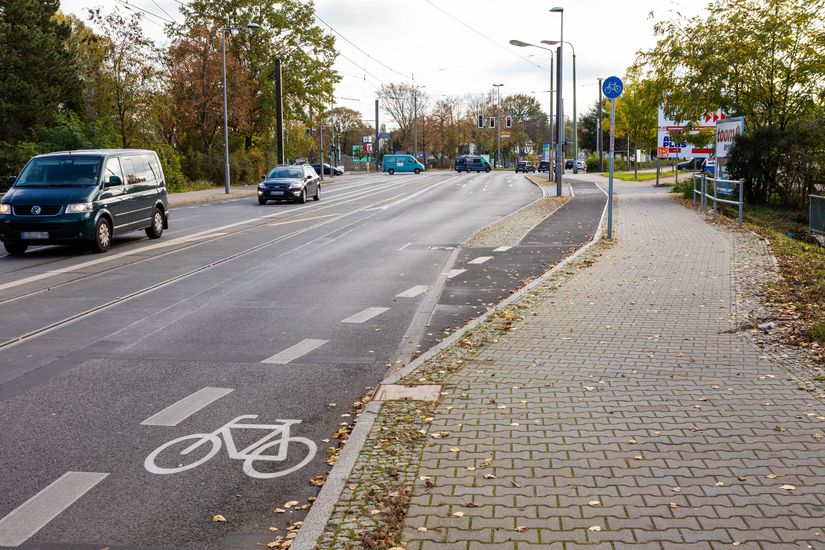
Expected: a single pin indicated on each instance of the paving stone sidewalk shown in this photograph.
(626, 412)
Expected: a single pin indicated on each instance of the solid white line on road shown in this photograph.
(455, 273)
(405, 246)
(480, 260)
(502, 249)
(176, 413)
(413, 292)
(366, 315)
(298, 350)
(276, 224)
(31, 516)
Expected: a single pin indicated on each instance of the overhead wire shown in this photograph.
(448, 14)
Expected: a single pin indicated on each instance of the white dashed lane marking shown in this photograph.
(502, 249)
(413, 292)
(455, 273)
(480, 260)
(298, 350)
(365, 315)
(31, 516)
(176, 413)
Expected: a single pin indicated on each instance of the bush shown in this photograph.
(685, 188)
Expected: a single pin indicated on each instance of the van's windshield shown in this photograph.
(60, 171)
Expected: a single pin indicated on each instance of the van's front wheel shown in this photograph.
(391, 171)
(103, 236)
(417, 170)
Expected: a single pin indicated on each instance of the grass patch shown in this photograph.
(801, 263)
(192, 186)
(642, 176)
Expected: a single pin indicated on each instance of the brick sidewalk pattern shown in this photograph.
(627, 414)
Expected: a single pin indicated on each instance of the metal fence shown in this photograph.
(816, 215)
(720, 188)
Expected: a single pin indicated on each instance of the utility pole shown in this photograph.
(375, 149)
(279, 112)
(599, 144)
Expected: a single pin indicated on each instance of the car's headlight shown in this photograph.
(261, 186)
(296, 185)
(5, 209)
(79, 208)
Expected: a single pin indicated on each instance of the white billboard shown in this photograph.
(726, 131)
(668, 130)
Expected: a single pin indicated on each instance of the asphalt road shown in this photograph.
(287, 312)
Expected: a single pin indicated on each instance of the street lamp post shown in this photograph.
(498, 122)
(560, 105)
(415, 119)
(575, 129)
(523, 44)
(224, 30)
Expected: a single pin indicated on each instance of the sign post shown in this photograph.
(726, 132)
(612, 88)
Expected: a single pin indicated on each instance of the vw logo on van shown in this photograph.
(36, 210)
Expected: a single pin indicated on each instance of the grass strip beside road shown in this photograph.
(642, 176)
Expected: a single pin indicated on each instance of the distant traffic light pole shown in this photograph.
(498, 122)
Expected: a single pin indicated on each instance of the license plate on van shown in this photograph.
(34, 235)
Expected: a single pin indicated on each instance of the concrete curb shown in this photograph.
(318, 516)
(177, 202)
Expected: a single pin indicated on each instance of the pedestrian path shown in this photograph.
(626, 412)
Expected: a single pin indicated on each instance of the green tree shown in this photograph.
(759, 58)
(130, 71)
(38, 73)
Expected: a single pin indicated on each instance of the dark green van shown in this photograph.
(84, 197)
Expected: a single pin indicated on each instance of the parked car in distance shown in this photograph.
(581, 166)
(689, 164)
(289, 182)
(471, 163)
(84, 197)
(544, 166)
(328, 170)
(402, 163)
(524, 166)
(568, 164)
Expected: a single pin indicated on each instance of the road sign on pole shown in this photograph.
(612, 88)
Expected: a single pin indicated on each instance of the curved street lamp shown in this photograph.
(575, 133)
(224, 30)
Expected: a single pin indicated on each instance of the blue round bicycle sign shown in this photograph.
(612, 87)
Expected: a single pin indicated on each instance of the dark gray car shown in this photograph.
(290, 183)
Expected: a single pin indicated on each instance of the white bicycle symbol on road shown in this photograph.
(278, 438)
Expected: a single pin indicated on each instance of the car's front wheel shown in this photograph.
(317, 195)
(261, 201)
(302, 198)
(103, 236)
(16, 249)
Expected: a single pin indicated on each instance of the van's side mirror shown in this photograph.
(113, 181)
(12, 179)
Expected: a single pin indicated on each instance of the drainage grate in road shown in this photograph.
(401, 392)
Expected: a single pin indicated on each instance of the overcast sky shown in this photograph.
(466, 49)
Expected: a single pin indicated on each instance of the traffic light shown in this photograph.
(481, 121)
(492, 122)
(508, 121)
(564, 146)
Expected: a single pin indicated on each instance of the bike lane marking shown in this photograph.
(502, 249)
(413, 292)
(455, 273)
(480, 260)
(31, 516)
(176, 413)
(366, 315)
(298, 350)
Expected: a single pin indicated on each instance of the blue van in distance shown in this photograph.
(402, 163)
